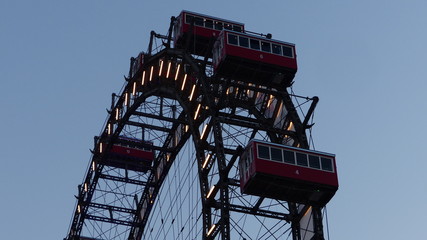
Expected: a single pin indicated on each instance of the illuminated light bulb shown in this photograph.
(204, 131)
(192, 93)
(207, 160)
(183, 82)
(210, 191)
(291, 126)
(177, 72)
(85, 187)
(161, 68)
(308, 210)
(211, 230)
(117, 114)
(143, 78)
(197, 111)
(126, 99)
(93, 166)
(134, 88)
(186, 128)
(100, 148)
(270, 100)
(169, 68)
(109, 128)
(151, 73)
(280, 109)
(78, 209)
(248, 92)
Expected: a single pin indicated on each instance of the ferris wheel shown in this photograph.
(204, 141)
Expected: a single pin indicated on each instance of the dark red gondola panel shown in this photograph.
(288, 173)
(130, 154)
(254, 59)
(205, 29)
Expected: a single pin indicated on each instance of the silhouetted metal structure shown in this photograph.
(165, 165)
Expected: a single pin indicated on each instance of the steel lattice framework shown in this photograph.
(198, 124)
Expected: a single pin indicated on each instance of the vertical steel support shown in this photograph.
(150, 44)
(168, 43)
(219, 152)
(204, 188)
(317, 223)
(295, 225)
(222, 166)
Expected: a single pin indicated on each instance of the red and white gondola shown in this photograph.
(288, 173)
(204, 29)
(255, 59)
(129, 153)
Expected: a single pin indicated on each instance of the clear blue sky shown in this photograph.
(366, 60)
